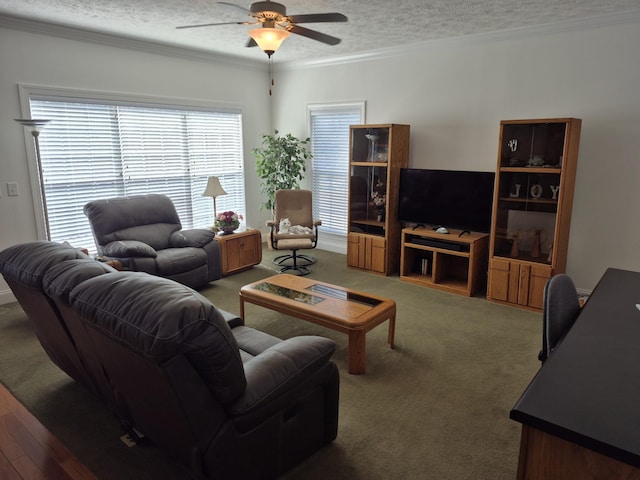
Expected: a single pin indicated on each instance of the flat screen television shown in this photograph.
(446, 198)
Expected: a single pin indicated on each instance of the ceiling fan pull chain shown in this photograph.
(272, 83)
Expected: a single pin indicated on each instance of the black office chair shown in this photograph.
(561, 307)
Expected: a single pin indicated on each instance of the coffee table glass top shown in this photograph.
(343, 295)
(288, 293)
(310, 299)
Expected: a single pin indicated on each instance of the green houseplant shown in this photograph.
(281, 163)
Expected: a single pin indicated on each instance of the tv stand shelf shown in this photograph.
(449, 262)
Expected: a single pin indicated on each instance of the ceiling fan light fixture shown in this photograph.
(269, 39)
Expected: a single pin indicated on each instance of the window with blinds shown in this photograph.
(91, 150)
(329, 133)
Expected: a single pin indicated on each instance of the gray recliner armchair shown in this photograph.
(144, 233)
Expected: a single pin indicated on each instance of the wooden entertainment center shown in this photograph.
(454, 262)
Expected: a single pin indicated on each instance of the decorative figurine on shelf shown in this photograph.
(378, 200)
(550, 256)
(535, 249)
(515, 245)
(536, 161)
(372, 136)
(514, 161)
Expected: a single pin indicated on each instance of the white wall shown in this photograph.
(29, 58)
(454, 94)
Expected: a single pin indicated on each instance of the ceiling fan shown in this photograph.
(276, 25)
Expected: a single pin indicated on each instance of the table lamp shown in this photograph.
(213, 189)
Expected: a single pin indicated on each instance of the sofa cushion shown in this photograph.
(275, 370)
(128, 248)
(176, 260)
(159, 318)
(253, 341)
(61, 279)
(196, 237)
(156, 235)
(27, 263)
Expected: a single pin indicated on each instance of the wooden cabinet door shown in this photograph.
(376, 254)
(240, 251)
(537, 280)
(354, 257)
(499, 283)
(235, 252)
(367, 252)
(518, 283)
(524, 276)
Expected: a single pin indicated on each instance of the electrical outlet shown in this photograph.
(12, 189)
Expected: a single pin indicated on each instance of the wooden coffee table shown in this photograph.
(339, 308)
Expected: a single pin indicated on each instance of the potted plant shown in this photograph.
(281, 162)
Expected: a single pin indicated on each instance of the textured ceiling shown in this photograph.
(372, 25)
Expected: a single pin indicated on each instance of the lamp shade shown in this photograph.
(34, 125)
(213, 189)
(269, 39)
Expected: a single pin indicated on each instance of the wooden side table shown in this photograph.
(240, 250)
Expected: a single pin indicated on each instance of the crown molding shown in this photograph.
(122, 41)
(632, 16)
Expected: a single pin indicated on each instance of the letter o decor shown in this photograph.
(536, 190)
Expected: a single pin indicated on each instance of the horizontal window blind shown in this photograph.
(101, 150)
(330, 164)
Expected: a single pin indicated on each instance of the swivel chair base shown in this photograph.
(288, 260)
(295, 268)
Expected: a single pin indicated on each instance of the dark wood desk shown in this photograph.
(581, 412)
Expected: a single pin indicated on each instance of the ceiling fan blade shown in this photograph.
(251, 43)
(314, 35)
(213, 24)
(245, 10)
(318, 17)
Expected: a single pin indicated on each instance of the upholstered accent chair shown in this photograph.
(301, 232)
(144, 233)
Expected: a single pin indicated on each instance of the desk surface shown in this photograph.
(588, 390)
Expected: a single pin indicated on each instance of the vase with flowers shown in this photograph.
(227, 222)
(378, 201)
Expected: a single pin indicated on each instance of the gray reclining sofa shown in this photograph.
(226, 400)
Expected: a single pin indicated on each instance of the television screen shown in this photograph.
(446, 198)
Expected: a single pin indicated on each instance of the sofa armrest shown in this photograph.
(196, 237)
(280, 369)
(128, 248)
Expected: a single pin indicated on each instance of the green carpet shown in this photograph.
(435, 407)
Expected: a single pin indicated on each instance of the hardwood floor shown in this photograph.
(28, 451)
